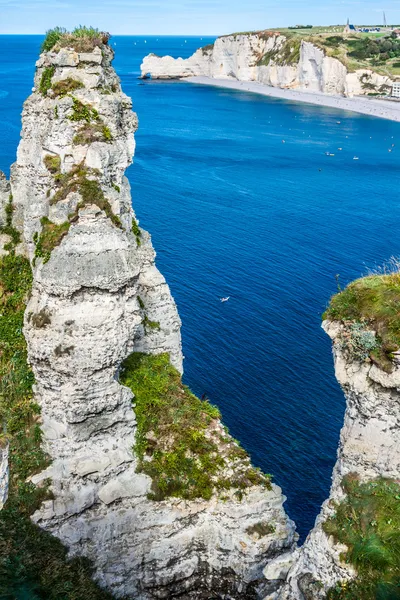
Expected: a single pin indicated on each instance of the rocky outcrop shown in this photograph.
(271, 59)
(97, 297)
(4, 474)
(369, 449)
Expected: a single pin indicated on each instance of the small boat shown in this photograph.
(225, 299)
(356, 158)
(283, 142)
(331, 155)
(340, 148)
(327, 154)
(338, 122)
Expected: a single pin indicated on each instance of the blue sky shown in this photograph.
(186, 17)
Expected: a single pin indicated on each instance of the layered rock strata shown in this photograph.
(270, 59)
(97, 296)
(369, 449)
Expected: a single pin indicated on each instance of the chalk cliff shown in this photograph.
(271, 59)
(368, 450)
(96, 299)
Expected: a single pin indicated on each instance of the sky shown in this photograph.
(187, 17)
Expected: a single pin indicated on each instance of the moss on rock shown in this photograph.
(178, 441)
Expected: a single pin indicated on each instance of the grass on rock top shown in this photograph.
(373, 301)
(367, 521)
(178, 441)
(81, 39)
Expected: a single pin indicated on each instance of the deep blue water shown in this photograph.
(235, 212)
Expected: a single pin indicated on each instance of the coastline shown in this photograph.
(384, 109)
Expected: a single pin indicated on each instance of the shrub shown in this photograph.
(136, 231)
(81, 39)
(52, 163)
(9, 229)
(368, 523)
(45, 81)
(92, 132)
(358, 341)
(50, 237)
(66, 86)
(176, 443)
(82, 112)
(52, 37)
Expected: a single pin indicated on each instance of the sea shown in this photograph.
(233, 211)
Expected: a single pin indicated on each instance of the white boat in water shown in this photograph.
(225, 299)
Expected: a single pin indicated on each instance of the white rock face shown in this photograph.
(4, 475)
(238, 57)
(369, 446)
(84, 317)
(4, 196)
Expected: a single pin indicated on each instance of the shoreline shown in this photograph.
(383, 109)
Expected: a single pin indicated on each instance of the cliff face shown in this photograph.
(97, 297)
(368, 450)
(271, 59)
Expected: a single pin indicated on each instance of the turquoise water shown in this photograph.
(235, 212)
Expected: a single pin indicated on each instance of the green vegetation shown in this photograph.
(261, 529)
(117, 188)
(371, 303)
(178, 442)
(52, 163)
(66, 86)
(368, 523)
(9, 229)
(136, 231)
(45, 81)
(92, 132)
(207, 49)
(81, 39)
(288, 53)
(82, 112)
(154, 325)
(33, 564)
(50, 237)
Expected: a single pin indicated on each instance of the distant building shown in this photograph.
(396, 89)
(349, 28)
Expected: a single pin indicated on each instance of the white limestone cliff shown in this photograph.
(91, 297)
(369, 448)
(258, 57)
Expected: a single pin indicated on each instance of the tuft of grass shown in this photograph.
(45, 81)
(50, 237)
(66, 86)
(52, 37)
(81, 39)
(373, 302)
(136, 231)
(368, 523)
(261, 529)
(52, 163)
(33, 563)
(92, 132)
(9, 229)
(178, 442)
(152, 325)
(82, 112)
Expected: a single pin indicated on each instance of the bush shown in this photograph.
(81, 39)
(66, 86)
(83, 112)
(92, 132)
(52, 163)
(45, 81)
(52, 37)
(50, 237)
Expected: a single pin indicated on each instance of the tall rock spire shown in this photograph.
(152, 489)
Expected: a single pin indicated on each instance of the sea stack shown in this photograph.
(158, 515)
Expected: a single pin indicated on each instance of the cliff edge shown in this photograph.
(272, 59)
